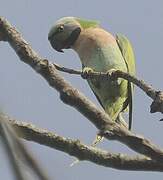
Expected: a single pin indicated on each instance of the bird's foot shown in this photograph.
(98, 139)
(85, 72)
(110, 74)
(111, 77)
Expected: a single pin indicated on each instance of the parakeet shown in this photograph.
(99, 51)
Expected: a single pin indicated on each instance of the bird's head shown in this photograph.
(66, 31)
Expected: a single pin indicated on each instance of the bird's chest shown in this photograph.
(103, 60)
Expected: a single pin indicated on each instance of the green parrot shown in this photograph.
(99, 51)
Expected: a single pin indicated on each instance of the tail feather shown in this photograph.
(120, 120)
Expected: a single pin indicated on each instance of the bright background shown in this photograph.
(27, 96)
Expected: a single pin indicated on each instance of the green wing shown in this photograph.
(128, 55)
(91, 86)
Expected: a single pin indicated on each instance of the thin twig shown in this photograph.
(19, 148)
(18, 171)
(151, 92)
(112, 75)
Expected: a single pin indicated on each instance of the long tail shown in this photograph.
(120, 120)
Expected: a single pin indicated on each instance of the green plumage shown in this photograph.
(87, 23)
(128, 55)
(100, 51)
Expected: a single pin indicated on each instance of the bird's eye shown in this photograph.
(60, 28)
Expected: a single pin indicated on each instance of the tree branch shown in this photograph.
(74, 98)
(82, 151)
(157, 96)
